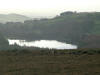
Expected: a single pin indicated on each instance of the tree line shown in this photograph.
(69, 27)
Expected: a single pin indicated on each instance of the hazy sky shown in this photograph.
(47, 7)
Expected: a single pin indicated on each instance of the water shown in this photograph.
(51, 44)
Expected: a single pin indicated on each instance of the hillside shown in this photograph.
(3, 43)
(70, 27)
(12, 18)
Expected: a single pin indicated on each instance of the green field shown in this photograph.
(50, 62)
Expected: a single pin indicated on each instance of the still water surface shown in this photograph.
(42, 44)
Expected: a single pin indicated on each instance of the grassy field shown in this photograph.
(50, 62)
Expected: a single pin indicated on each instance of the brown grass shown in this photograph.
(45, 63)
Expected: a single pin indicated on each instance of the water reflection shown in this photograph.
(43, 44)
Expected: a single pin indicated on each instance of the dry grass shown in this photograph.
(45, 63)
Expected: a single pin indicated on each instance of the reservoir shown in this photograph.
(51, 44)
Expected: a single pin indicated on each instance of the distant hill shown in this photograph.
(12, 18)
(79, 28)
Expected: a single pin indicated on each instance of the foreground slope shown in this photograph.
(44, 62)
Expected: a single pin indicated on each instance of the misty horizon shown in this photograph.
(33, 16)
(47, 8)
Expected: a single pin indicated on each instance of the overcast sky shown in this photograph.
(47, 7)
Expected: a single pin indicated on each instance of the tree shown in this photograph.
(3, 43)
